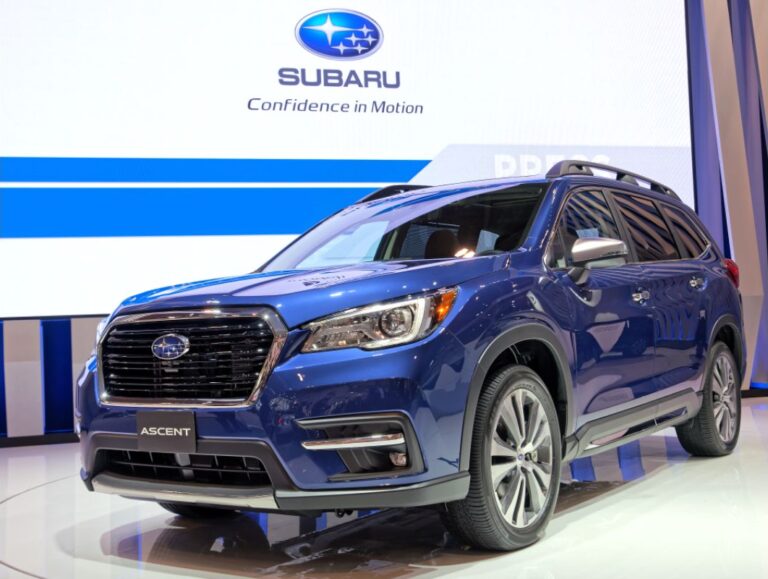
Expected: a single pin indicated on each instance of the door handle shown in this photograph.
(697, 282)
(641, 296)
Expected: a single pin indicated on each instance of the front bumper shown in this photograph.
(281, 495)
(426, 383)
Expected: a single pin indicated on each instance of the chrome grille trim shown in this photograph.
(270, 317)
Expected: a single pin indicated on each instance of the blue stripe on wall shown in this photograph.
(102, 170)
(115, 212)
(3, 415)
(56, 360)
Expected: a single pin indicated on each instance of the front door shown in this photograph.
(611, 319)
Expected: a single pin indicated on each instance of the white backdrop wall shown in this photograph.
(132, 156)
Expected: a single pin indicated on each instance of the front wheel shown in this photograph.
(514, 464)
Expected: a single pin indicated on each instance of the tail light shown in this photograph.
(732, 270)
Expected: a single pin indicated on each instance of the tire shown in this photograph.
(478, 518)
(197, 512)
(714, 431)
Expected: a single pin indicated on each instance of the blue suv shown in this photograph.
(449, 346)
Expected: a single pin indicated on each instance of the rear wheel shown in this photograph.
(714, 431)
(514, 464)
(197, 512)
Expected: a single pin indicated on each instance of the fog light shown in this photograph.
(399, 458)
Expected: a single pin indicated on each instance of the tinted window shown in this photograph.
(481, 224)
(417, 236)
(692, 241)
(449, 225)
(586, 214)
(649, 233)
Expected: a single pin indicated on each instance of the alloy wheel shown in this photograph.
(521, 458)
(725, 398)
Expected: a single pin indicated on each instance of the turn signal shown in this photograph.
(443, 304)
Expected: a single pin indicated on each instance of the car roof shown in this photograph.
(415, 193)
(410, 194)
(572, 172)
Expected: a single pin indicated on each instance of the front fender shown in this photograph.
(522, 331)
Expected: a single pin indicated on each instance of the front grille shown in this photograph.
(194, 468)
(224, 359)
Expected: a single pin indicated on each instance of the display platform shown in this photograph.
(648, 499)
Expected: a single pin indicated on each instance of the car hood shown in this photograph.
(304, 295)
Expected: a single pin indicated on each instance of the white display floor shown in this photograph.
(648, 510)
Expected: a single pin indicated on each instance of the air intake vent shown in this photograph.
(196, 468)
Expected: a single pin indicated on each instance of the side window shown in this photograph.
(586, 214)
(692, 242)
(652, 240)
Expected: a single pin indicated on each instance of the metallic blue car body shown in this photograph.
(431, 381)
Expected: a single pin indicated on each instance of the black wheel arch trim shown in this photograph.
(521, 332)
(731, 321)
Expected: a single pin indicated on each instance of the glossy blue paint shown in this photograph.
(617, 351)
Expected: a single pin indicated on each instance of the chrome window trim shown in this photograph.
(277, 326)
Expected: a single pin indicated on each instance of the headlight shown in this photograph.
(381, 325)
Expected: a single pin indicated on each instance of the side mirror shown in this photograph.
(588, 250)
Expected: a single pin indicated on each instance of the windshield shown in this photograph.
(424, 227)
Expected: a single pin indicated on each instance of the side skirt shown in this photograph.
(638, 422)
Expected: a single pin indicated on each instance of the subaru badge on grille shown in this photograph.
(170, 346)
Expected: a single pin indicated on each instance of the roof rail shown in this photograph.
(391, 190)
(574, 167)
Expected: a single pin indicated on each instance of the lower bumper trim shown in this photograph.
(442, 490)
(259, 498)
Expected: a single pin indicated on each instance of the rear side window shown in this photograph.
(586, 214)
(647, 228)
(692, 242)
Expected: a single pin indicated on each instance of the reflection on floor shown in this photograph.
(647, 509)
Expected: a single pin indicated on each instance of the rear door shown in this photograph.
(695, 250)
(676, 286)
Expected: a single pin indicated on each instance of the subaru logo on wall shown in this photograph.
(170, 346)
(339, 34)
